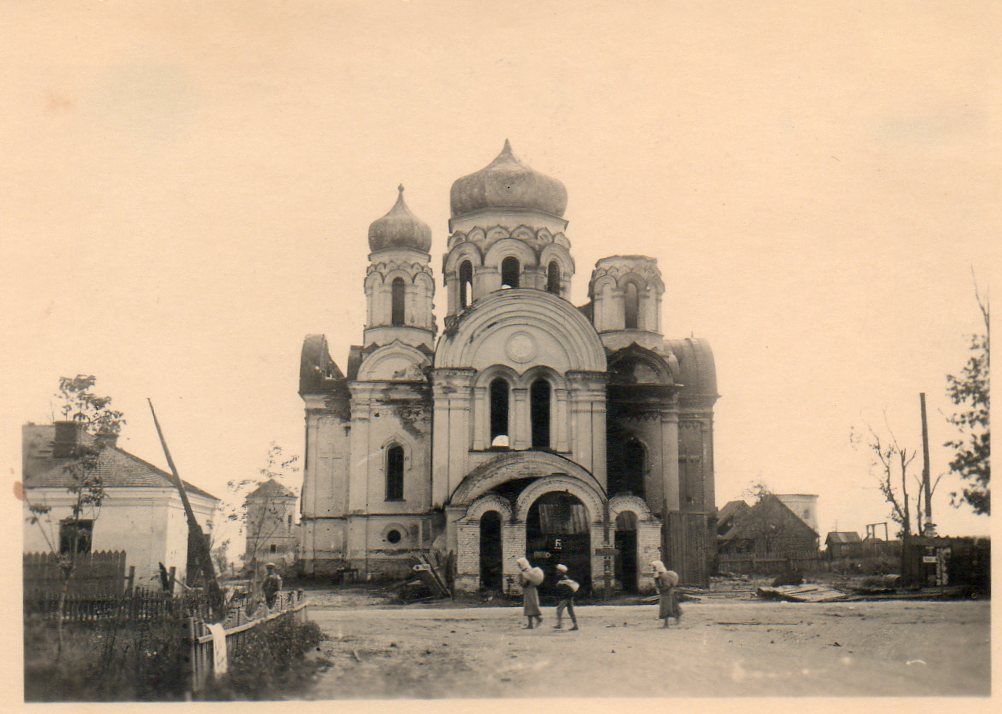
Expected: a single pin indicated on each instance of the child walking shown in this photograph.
(566, 588)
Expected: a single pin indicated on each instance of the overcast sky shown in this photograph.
(186, 192)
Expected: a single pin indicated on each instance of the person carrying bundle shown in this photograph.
(566, 589)
(665, 580)
(530, 579)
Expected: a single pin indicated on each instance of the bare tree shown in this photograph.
(261, 523)
(95, 420)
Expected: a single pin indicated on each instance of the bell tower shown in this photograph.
(399, 286)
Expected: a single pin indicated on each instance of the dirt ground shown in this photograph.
(723, 648)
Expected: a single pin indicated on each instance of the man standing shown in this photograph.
(566, 588)
(271, 586)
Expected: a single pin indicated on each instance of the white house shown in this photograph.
(140, 514)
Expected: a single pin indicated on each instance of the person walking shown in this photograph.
(271, 586)
(666, 580)
(566, 588)
(530, 579)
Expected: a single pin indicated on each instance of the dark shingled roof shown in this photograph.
(271, 489)
(117, 469)
(843, 537)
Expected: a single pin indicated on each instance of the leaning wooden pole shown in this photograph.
(202, 544)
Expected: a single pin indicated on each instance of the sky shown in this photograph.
(186, 192)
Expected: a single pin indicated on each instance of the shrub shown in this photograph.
(267, 663)
(109, 661)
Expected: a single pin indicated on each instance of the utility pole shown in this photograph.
(928, 528)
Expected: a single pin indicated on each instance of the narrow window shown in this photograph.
(395, 473)
(397, 316)
(539, 397)
(632, 306)
(635, 463)
(499, 412)
(274, 548)
(553, 278)
(465, 283)
(509, 273)
(75, 536)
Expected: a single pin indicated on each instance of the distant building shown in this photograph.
(804, 505)
(770, 527)
(271, 530)
(141, 513)
(843, 544)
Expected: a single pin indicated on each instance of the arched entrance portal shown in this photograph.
(557, 531)
(491, 562)
(626, 551)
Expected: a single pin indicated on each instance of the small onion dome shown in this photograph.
(399, 229)
(508, 183)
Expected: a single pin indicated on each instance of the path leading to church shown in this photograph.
(722, 649)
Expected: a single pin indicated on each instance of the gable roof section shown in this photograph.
(770, 508)
(117, 469)
(843, 537)
(271, 489)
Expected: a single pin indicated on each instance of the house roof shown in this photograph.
(843, 537)
(271, 489)
(746, 524)
(730, 509)
(117, 468)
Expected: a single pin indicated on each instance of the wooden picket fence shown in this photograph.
(134, 606)
(770, 563)
(289, 604)
(98, 574)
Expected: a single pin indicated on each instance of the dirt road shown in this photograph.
(721, 649)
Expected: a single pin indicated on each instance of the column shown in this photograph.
(518, 419)
(669, 460)
(481, 429)
(559, 420)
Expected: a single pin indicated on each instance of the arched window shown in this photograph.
(499, 412)
(465, 284)
(509, 272)
(395, 473)
(397, 312)
(632, 299)
(539, 399)
(553, 278)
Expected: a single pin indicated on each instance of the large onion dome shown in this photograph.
(508, 183)
(399, 229)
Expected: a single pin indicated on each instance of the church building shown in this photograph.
(529, 427)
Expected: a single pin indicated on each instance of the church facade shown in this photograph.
(530, 427)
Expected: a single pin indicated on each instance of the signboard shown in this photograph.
(930, 559)
(605, 550)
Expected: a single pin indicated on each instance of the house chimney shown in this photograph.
(106, 439)
(67, 436)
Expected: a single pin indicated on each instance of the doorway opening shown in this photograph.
(626, 551)
(557, 531)
(491, 563)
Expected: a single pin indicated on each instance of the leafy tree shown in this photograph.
(95, 419)
(969, 391)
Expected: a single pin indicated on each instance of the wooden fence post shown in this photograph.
(131, 579)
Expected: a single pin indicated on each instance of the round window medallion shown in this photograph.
(521, 347)
(393, 536)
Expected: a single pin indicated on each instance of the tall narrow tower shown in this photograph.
(399, 286)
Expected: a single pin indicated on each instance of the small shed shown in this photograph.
(843, 544)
